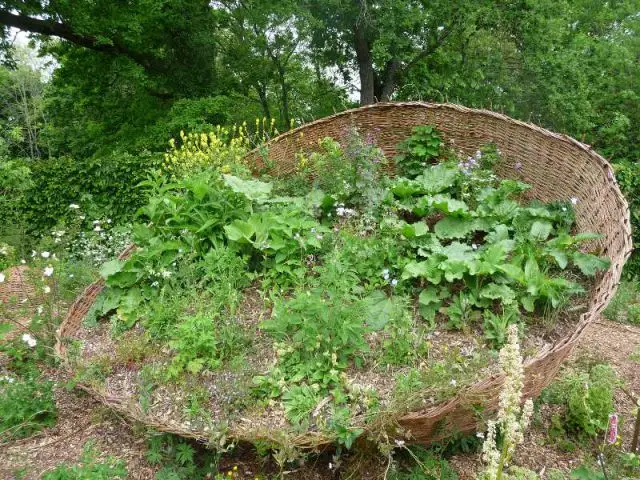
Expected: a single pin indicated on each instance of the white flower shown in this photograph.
(96, 222)
(453, 382)
(48, 271)
(97, 228)
(400, 443)
(33, 253)
(394, 282)
(165, 273)
(40, 309)
(23, 261)
(108, 220)
(47, 289)
(574, 201)
(71, 275)
(474, 246)
(74, 206)
(319, 237)
(480, 435)
(2, 277)
(29, 340)
(45, 254)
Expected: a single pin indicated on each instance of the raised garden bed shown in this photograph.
(323, 303)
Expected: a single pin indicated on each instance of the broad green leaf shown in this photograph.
(590, 264)
(540, 230)
(405, 188)
(429, 296)
(560, 256)
(381, 309)
(500, 292)
(427, 269)
(586, 236)
(512, 271)
(446, 204)
(254, 190)
(412, 230)
(239, 231)
(499, 232)
(111, 267)
(438, 178)
(528, 303)
(123, 279)
(453, 227)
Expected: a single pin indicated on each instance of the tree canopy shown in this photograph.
(132, 74)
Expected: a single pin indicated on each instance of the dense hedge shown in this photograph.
(628, 176)
(104, 187)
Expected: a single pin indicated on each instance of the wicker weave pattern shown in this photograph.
(557, 166)
(15, 290)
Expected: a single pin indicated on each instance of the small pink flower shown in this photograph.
(612, 434)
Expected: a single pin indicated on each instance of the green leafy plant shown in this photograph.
(89, 467)
(496, 326)
(179, 460)
(203, 342)
(27, 406)
(586, 397)
(418, 150)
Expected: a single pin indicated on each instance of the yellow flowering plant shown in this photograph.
(222, 148)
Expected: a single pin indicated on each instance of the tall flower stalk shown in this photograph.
(512, 419)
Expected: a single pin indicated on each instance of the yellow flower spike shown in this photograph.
(235, 468)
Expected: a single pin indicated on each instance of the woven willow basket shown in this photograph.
(558, 167)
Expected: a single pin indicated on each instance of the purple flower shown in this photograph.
(518, 166)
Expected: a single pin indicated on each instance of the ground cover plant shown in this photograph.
(333, 300)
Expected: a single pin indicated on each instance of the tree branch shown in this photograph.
(64, 31)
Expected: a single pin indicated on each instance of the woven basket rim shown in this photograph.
(560, 349)
(462, 109)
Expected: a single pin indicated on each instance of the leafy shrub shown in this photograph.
(15, 182)
(625, 305)
(27, 407)
(319, 332)
(105, 187)
(348, 175)
(418, 150)
(628, 177)
(279, 240)
(89, 468)
(203, 342)
(179, 460)
(188, 219)
(587, 398)
(506, 254)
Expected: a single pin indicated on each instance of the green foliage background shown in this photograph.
(124, 79)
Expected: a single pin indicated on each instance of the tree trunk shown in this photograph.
(365, 66)
(284, 89)
(390, 79)
(262, 95)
